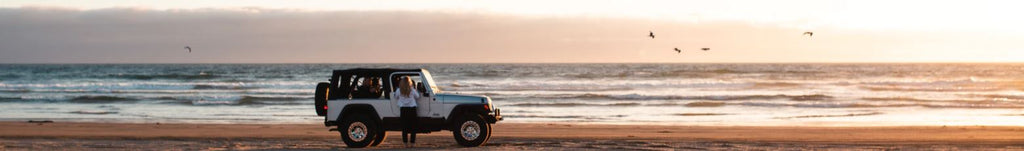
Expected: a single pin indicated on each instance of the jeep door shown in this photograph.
(436, 102)
(423, 104)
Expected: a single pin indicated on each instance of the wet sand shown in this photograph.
(507, 136)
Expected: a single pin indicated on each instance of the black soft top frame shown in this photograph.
(339, 77)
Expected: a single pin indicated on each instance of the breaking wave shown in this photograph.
(591, 96)
(699, 114)
(101, 99)
(573, 104)
(93, 112)
(544, 116)
(215, 87)
(705, 104)
(201, 76)
(10, 99)
(833, 115)
(255, 100)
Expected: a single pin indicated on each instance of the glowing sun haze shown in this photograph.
(522, 31)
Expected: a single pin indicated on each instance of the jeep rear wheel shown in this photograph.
(471, 130)
(358, 131)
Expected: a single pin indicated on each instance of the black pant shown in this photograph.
(409, 122)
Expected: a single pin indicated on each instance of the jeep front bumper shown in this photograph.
(494, 117)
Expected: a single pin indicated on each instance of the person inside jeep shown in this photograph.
(370, 88)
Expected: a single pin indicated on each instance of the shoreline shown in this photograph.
(508, 136)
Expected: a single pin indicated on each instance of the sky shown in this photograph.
(521, 31)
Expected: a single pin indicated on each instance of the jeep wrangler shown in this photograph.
(363, 116)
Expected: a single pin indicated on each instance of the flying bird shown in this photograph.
(678, 51)
(809, 34)
(705, 49)
(189, 49)
(651, 35)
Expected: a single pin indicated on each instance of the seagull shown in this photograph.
(678, 51)
(651, 35)
(705, 49)
(189, 49)
(809, 34)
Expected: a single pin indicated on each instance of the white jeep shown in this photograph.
(363, 118)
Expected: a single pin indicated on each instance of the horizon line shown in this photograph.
(549, 63)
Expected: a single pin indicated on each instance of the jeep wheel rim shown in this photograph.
(357, 131)
(470, 130)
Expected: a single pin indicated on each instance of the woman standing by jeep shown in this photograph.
(407, 96)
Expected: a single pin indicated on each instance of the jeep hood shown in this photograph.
(462, 98)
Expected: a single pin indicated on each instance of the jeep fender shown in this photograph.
(358, 108)
(462, 109)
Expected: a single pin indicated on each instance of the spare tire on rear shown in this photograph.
(323, 91)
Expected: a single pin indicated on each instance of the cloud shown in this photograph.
(258, 35)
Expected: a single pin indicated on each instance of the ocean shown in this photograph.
(828, 94)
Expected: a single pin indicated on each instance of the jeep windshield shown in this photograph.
(430, 82)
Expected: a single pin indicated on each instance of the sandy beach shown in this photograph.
(507, 136)
(551, 75)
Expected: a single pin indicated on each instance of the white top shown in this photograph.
(406, 101)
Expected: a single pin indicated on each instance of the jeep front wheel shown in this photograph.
(471, 131)
(358, 131)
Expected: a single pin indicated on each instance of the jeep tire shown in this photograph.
(323, 91)
(358, 131)
(380, 138)
(471, 130)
